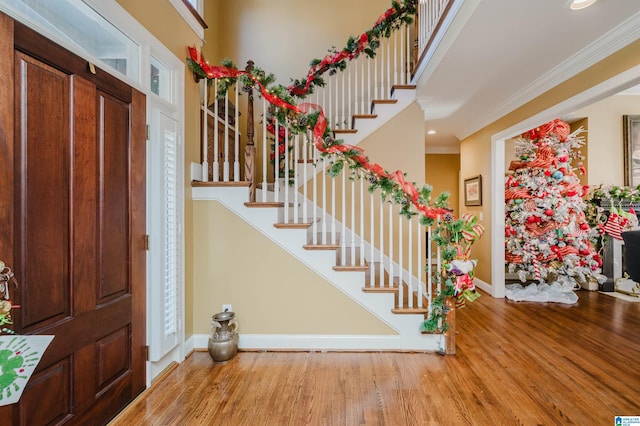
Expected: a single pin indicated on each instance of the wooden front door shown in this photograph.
(72, 225)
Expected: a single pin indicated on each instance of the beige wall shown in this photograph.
(605, 147)
(475, 151)
(282, 36)
(442, 171)
(271, 291)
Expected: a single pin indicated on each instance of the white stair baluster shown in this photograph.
(401, 288)
(429, 265)
(236, 162)
(369, 88)
(391, 268)
(343, 108)
(375, 77)
(285, 179)
(395, 57)
(383, 282)
(337, 124)
(383, 93)
(276, 162)
(343, 220)
(439, 262)
(353, 219)
(314, 204)
(333, 212)
(372, 242)
(225, 164)
(349, 94)
(387, 93)
(216, 154)
(205, 134)
(408, 61)
(305, 164)
(363, 88)
(410, 262)
(295, 168)
(362, 220)
(265, 154)
(325, 207)
(420, 271)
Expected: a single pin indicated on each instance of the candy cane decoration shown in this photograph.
(536, 262)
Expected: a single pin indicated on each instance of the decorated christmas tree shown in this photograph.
(547, 237)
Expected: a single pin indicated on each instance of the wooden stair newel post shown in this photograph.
(250, 148)
(450, 334)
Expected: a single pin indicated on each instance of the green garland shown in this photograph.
(450, 234)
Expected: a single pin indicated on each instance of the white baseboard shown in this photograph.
(295, 342)
(190, 345)
(482, 285)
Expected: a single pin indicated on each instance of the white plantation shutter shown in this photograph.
(165, 236)
(171, 235)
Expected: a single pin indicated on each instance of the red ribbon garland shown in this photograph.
(216, 71)
(328, 60)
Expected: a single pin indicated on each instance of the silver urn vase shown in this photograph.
(223, 341)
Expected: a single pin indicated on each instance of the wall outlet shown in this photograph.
(226, 308)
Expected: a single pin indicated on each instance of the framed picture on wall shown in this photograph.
(631, 136)
(473, 191)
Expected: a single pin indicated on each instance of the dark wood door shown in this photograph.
(72, 209)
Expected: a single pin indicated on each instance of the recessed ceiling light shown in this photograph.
(580, 4)
(431, 132)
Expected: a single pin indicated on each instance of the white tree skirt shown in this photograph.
(543, 292)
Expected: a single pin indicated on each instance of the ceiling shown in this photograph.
(499, 54)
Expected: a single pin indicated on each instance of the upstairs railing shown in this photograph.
(429, 18)
(297, 167)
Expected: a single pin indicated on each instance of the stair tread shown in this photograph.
(345, 131)
(402, 87)
(371, 116)
(219, 184)
(380, 289)
(263, 204)
(292, 225)
(384, 101)
(420, 311)
(320, 246)
(348, 268)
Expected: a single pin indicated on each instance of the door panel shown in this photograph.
(113, 133)
(75, 232)
(43, 220)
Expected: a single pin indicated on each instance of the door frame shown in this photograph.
(607, 88)
(149, 46)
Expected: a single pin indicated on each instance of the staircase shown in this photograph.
(356, 241)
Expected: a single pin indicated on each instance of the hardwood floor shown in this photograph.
(516, 364)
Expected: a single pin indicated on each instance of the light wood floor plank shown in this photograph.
(516, 364)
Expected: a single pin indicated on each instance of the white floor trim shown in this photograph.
(318, 342)
(482, 285)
